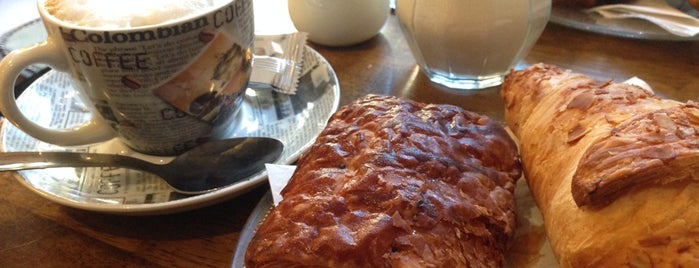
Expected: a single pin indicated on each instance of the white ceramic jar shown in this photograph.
(339, 22)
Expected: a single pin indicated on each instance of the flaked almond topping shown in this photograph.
(632, 98)
(664, 121)
(606, 84)
(576, 133)
(661, 152)
(399, 222)
(620, 141)
(601, 91)
(693, 114)
(482, 121)
(617, 94)
(685, 132)
(616, 119)
(581, 101)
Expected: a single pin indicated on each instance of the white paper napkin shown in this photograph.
(635, 81)
(654, 11)
(278, 176)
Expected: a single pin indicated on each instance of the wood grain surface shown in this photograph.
(35, 232)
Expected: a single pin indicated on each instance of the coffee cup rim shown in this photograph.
(54, 20)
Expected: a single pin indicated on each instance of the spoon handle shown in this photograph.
(37, 160)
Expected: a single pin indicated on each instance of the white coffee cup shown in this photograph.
(160, 86)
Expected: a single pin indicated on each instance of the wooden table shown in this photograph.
(35, 232)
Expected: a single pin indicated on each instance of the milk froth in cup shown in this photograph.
(162, 76)
(125, 14)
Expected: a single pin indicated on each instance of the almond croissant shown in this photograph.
(613, 168)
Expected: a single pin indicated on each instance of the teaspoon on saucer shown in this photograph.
(204, 168)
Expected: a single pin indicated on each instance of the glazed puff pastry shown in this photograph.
(396, 183)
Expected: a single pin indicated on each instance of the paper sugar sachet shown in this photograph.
(278, 61)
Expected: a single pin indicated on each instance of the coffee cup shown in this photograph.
(160, 76)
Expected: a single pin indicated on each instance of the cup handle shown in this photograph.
(48, 53)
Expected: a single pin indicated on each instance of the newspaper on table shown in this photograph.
(267, 111)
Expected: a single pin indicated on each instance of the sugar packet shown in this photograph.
(278, 61)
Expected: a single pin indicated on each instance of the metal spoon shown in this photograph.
(204, 168)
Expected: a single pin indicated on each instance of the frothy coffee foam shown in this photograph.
(124, 13)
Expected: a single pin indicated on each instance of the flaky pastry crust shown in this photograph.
(611, 166)
(396, 183)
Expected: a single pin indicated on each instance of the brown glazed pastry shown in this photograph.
(694, 3)
(396, 183)
(613, 168)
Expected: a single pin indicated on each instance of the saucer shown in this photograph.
(50, 101)
(24, 35)
(577, 18)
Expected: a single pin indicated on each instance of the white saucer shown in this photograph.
(50, 101)
(22, 36)
(577, 18)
